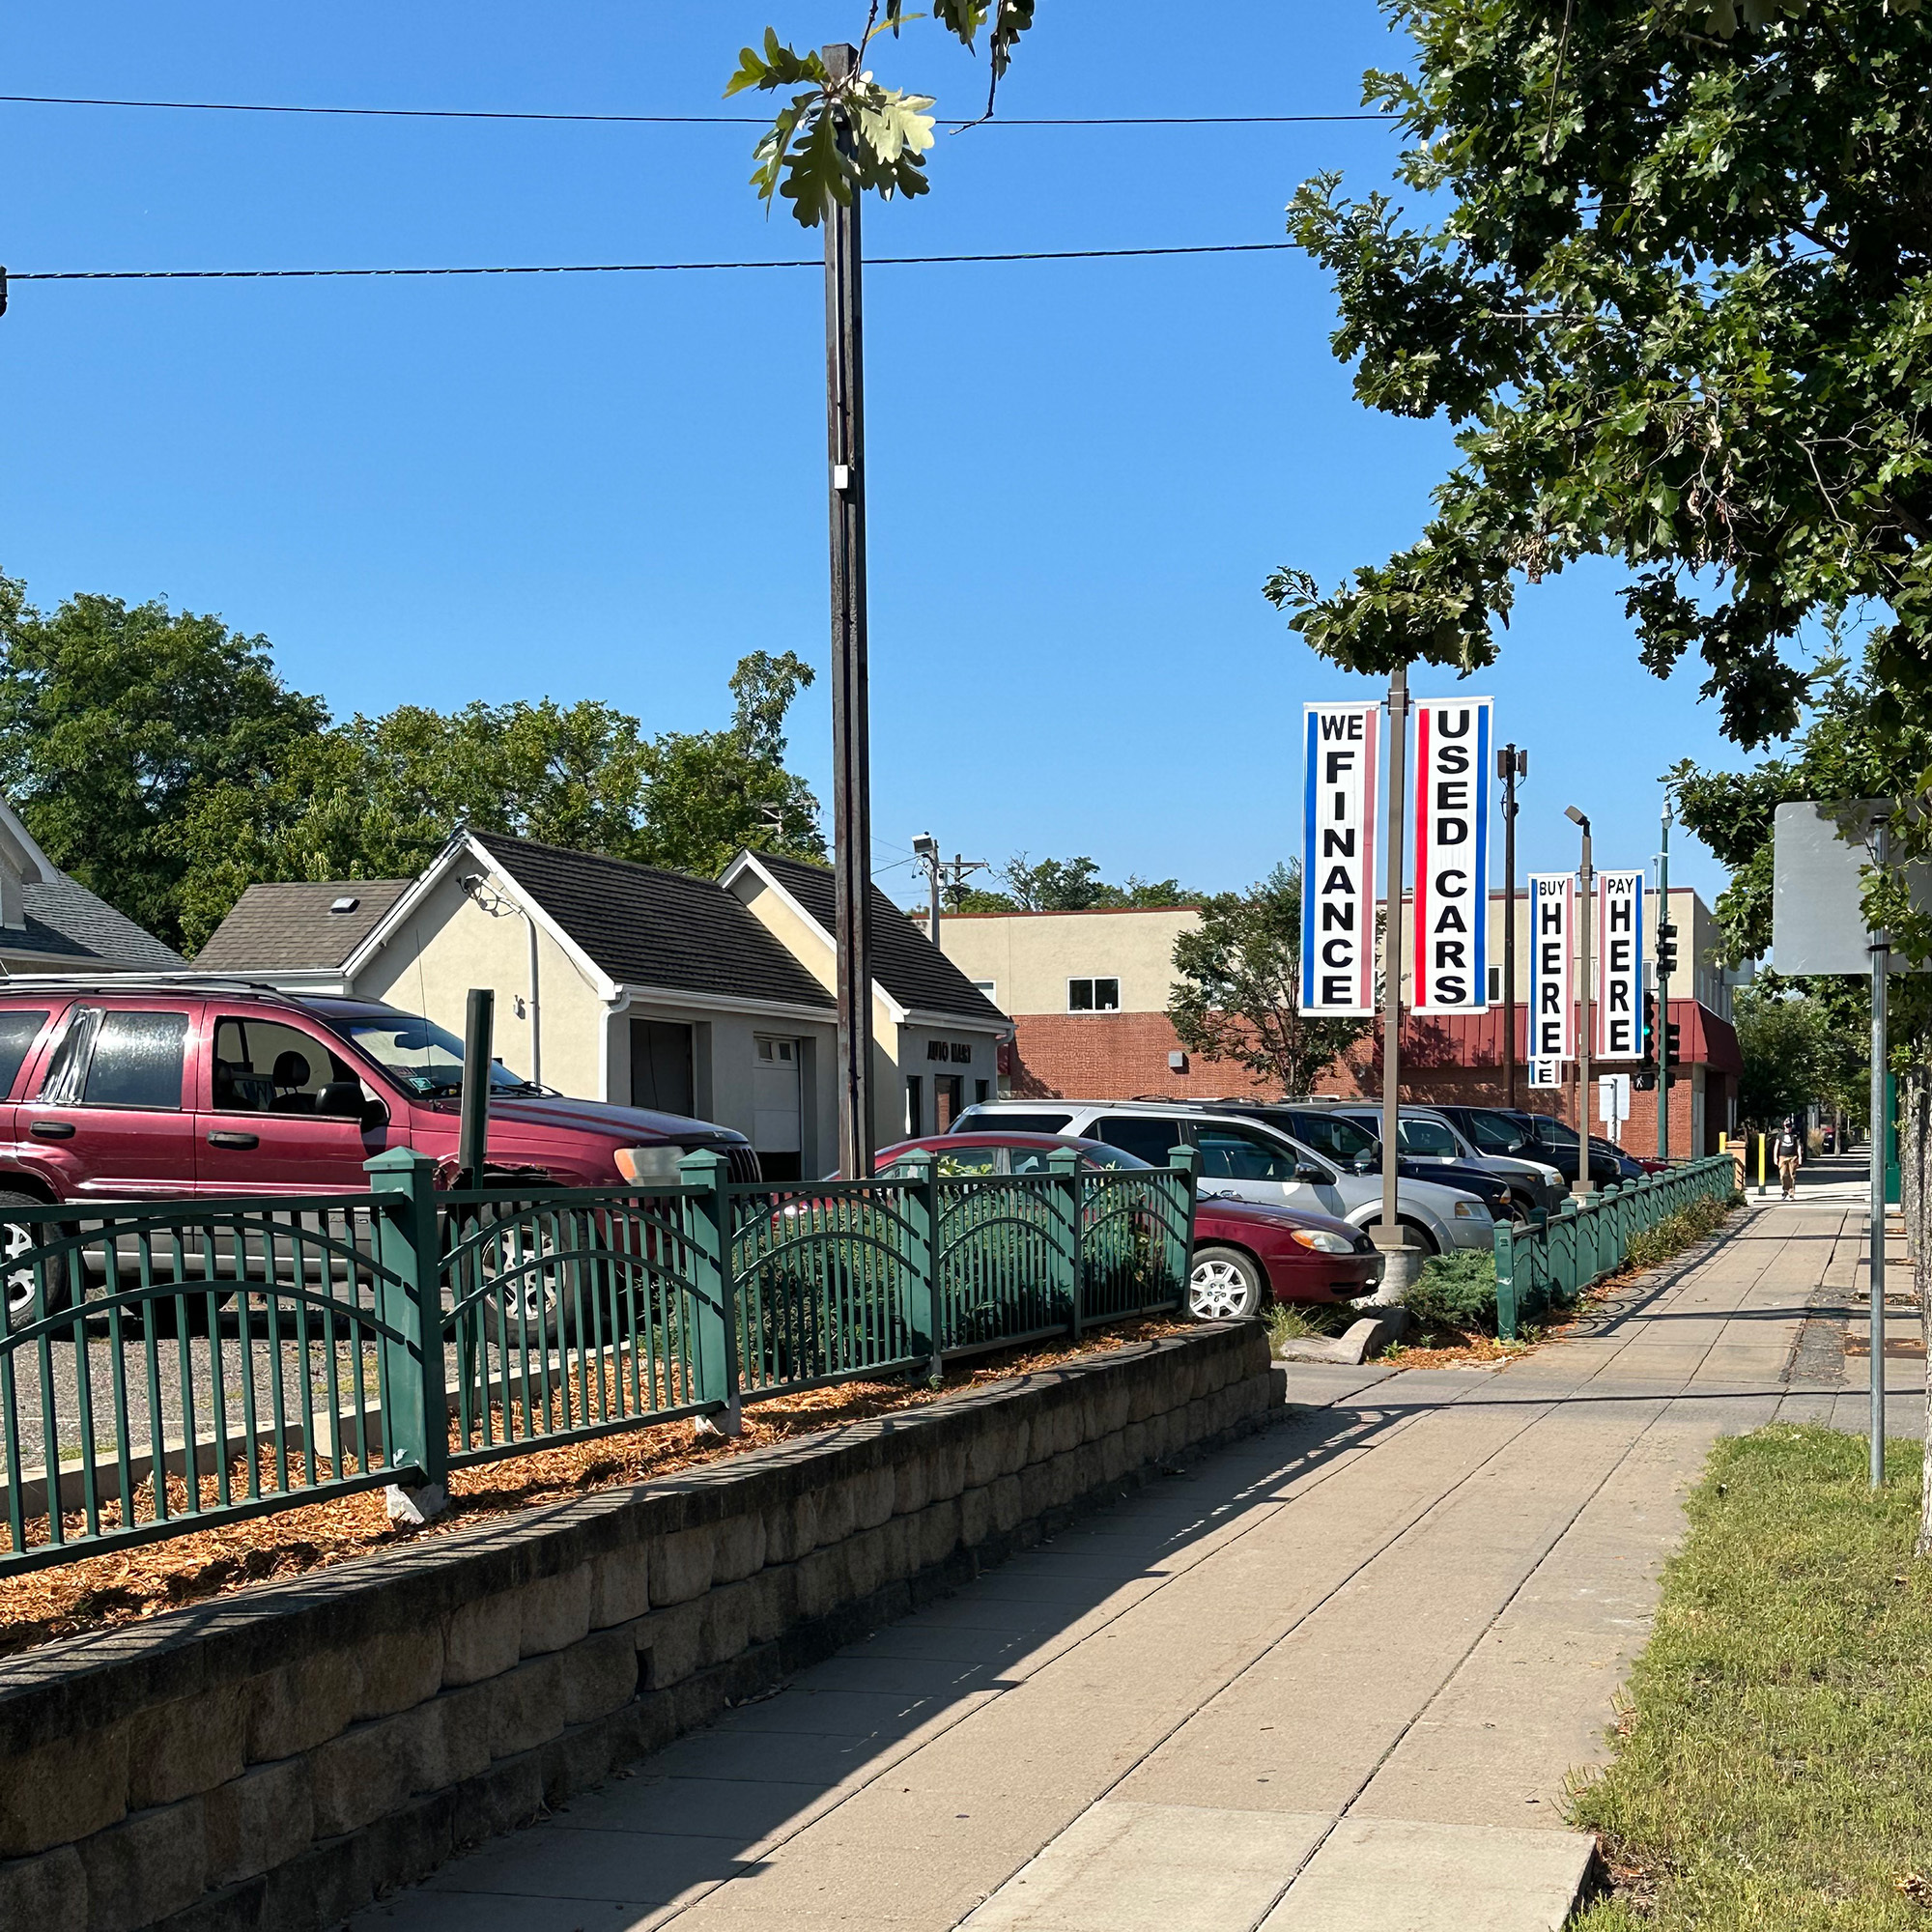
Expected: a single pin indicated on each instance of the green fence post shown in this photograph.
(707, 1229)
(1563, 1235)
(920, 1169)
(1062, 1166)
(1183, 1166)
(1505, 1281)
(415, 1417)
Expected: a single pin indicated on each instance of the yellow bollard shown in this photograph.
(1760, 1162)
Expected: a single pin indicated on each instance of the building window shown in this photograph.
(1495, 985)
(915, 1112)
(989, 987)
(983, 1091)
(1093, 996)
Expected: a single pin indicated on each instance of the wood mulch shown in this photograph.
(125, 1585)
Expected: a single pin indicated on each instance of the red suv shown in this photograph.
(123, 1089)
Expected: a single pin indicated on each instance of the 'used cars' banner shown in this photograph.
(1338, 861)
(1553, 1018)
(1619, 989)
(1452, 855)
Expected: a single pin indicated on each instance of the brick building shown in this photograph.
(1087, 994)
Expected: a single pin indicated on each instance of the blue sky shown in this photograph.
(1080, 472)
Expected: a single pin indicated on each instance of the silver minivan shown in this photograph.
(1248, 1160)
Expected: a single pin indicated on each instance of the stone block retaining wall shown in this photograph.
(271, 1760)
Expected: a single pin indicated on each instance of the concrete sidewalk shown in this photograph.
(1332, 1678)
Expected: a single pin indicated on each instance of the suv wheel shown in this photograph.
(16, 1238)
(1222, 1285)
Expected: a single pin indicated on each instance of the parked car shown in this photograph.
(1540, 1137)
(1244, 1254)
(131, 1089)
(1353, 1136)
(1431, 1139)
(1249, 1160)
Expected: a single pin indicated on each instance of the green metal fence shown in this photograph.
(169, 1365)
(1552, 1260)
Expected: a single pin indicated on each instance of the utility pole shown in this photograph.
(1589, 897)
(851, 748)
(1511, 765)
(938, 871)
(926, 849)
(1666, 958)
(1388, 1233)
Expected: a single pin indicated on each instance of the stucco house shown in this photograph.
(629, 983)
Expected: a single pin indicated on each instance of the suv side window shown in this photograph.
(1150, 1136)
(1430, 1137)
(138, 1062)
(19, 1031)
(1334, 1135)
(263, 1067)
(1493, 1136)
(1234, 1153)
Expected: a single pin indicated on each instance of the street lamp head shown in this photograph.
(1577, 818)
(926, 847)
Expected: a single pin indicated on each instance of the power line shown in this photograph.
(667, 120)
(8, 276)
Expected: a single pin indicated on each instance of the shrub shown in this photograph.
(1456, 1292)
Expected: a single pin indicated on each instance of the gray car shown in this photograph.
(1248, 1160)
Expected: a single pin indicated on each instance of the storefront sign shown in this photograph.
(1619, 947)
(1450, 808)
(1553, 1017)
(1338, 861)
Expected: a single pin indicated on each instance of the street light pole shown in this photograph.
(1388, 1235)
(1589, 897)
(1665, 932)
(851, 748)
(1511, 765)
(1880, 965)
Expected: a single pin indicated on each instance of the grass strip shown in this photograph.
(1773, 1768)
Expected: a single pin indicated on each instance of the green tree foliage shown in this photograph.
(1677, 305)
(801, 157)
(1065, 884)
(159, 758)
(376, 797)
(112, 715)
(1238, 988)
(1784, 1040)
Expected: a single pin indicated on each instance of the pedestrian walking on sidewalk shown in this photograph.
(1789, 1148)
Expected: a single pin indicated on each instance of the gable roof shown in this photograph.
(644, 926)
(287, 925)
(67, 923)
(906, 963)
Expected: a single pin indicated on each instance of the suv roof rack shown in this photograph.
(132, 983)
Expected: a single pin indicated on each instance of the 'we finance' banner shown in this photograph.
(1553, 1018)
(1338, 861)
(1451, 809)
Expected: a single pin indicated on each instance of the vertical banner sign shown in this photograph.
(1619, 988)
(1451, 807)
(1338, 861)
(1553, 1015)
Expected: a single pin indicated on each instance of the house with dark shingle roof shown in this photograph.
(936, 1036)
(52, 923)
(628, 982)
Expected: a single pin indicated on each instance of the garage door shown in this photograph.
(775, 1101)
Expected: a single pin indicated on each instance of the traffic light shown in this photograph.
(1647, 1047)
(1666, 949)
(1672, 1044)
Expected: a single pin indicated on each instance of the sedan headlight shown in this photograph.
(1472, 1210)
(1323, 1242)
(648, 1163)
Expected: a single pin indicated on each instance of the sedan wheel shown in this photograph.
(1223, 1284)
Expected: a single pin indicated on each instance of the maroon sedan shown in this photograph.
(1245, 1254)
